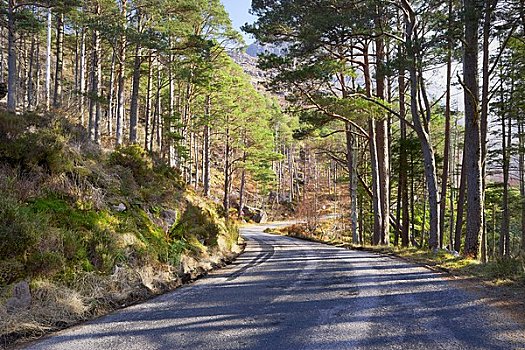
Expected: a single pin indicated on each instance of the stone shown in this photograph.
(21, 298)
(169, 216)
(261, 217)
(120, 208)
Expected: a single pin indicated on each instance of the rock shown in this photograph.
(21, 298)
(254, 214)
(169, 216)
(120, 208)
(261, 217)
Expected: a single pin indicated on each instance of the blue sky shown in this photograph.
(238, 10)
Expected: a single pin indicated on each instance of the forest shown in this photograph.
(132, 139)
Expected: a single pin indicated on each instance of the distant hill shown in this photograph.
(256, 48)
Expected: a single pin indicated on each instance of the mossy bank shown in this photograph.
(91, 231)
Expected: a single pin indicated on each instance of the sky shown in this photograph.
(238, 10)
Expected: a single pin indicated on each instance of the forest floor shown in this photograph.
(500, 284)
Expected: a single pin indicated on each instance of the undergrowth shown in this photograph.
(91, 231)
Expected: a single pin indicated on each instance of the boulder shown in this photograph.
(169, 216)
(21, 298)
(255, 214)
(261, 217)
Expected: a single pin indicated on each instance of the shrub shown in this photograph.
(134, 158)
(19, 229)
(10, 271)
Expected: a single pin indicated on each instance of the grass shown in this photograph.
(60, 231)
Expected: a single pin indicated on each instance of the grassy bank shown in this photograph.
(90, 230)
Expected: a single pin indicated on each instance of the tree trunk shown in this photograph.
(521, 151)
(30, 82)
(241, 188)
(446, 150)
(382, 141)
(48, 59)
(207, 148)
(376, 192)
(94, 105)
(57, 94)
(149, 98)
(473, 135)
(12, 79)
(422, 130)
(461, 204)
(489, 7)
(111, 96)
(226, 198)
(82, 76)
(119, 132)
(134, 108)
(403, 165)
(505, 215)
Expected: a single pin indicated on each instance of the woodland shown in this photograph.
(132, 143)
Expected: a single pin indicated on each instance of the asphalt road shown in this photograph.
(284, 293)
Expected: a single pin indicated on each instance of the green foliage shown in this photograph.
(19, 228)
(43, 149)
(134, 158)
(11, 270)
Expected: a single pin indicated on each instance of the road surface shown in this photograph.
(284, 293)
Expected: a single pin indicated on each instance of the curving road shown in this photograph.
(284, 293)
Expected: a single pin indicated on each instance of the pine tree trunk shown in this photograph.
(382, 140)
(422, 130)
(446, 150)
(158, 115)
(226, 189)
(403, 165)
(82, 76)
(147, 132)
(521, 151)
(12, 79)
(173, 162)
(376, 192)
(242, 187)
(57, 94)
(30, 82)
(94, 105)
(505, 216)
(473, 135)
(461, 204)
(48, 59)
(119, 132)
(489, 7)
(111, 96)
(134, 108)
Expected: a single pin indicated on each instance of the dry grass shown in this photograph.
(90, 295)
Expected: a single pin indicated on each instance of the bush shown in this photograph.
(134, 158)
(19, 229)
(10, 271)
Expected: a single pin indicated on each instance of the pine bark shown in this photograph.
(59, 64)
(12, 78)
(473, 142)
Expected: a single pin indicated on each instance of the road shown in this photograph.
(284, 293)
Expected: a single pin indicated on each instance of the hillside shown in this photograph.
(84, 231)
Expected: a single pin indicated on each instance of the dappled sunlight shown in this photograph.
(290, 294)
